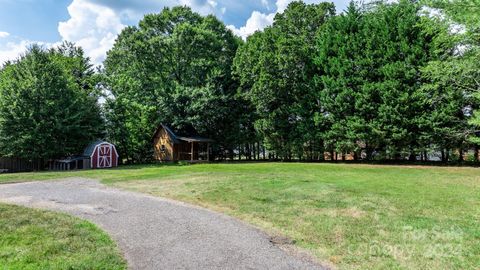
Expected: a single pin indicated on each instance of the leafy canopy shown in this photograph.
(48, 104)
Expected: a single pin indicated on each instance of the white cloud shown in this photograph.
(4, 34)
(134, 10)
(12, 50)
(266, 4)
(282, 5)
(93, 27)
(257, 22)
(202, 7)
(95, 24)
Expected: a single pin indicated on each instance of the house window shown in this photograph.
(163, 148)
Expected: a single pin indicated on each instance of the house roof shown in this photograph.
(170, 133)
(91, 147)
(195, 139)
(178, 139)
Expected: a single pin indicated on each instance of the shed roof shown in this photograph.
(195, 139)
(178, 139)
(91, 147)
(171, 134)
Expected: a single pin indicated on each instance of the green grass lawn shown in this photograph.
(35, 239)
(349, 216)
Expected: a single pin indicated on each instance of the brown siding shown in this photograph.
(348, 157)
(162, 138)
(183, 151)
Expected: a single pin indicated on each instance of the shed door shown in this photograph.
(104, 156)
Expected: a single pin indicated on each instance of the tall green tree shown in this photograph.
(339, 82)
(451, 87)
(465, 12)
(370, 60)
(48, 105)
(452, 80)
(275, 68)
(174, 68)
(402, 48)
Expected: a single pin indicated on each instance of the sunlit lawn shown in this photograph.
(349, 216)
(35, 239)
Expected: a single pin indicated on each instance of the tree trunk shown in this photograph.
(370, 154)
(311, 155)
(412, 156)
(254, 151)
(251, 153)
(258, 150)
(321, 152)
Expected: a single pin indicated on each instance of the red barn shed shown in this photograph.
(102, 155)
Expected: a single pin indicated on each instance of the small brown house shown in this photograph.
(169, 146)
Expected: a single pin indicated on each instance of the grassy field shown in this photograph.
(348, 216)
(34, 239)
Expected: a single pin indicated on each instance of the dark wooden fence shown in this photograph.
(8, 164)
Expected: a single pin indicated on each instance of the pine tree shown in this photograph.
(46, 109)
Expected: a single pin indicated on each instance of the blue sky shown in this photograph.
(94, 24)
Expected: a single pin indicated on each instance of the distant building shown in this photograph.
(97, 155)
(169, 146)
(102, 154)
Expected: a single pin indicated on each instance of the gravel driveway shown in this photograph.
(156, 233)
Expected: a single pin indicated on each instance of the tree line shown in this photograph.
(389, 81)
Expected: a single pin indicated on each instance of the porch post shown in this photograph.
(192, 151)
(208, 151)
